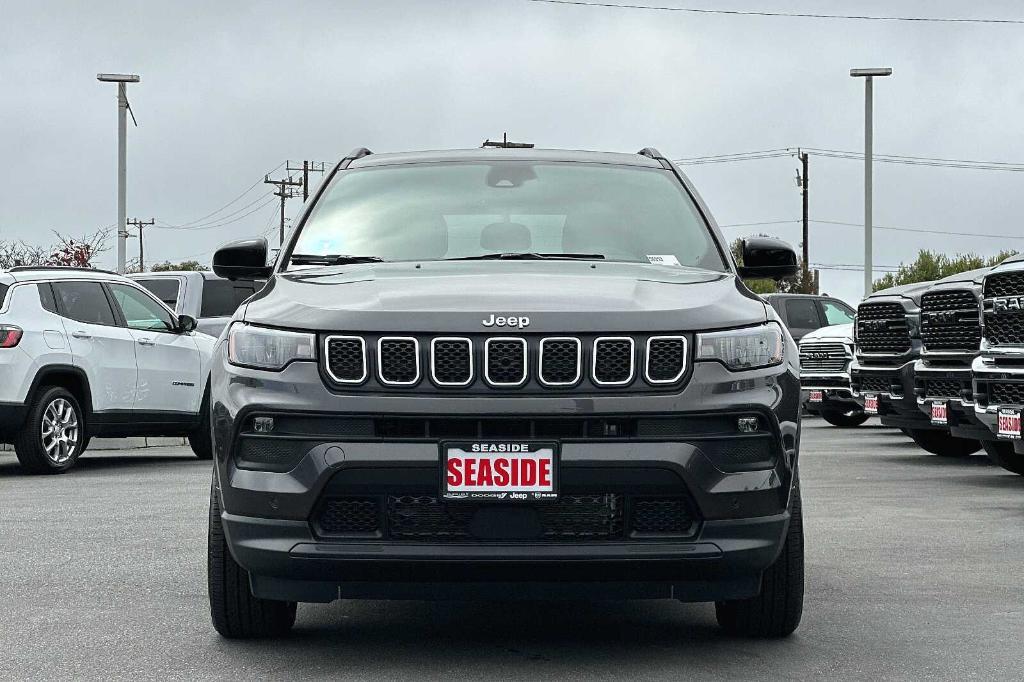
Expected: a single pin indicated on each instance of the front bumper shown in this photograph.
(740, 516)
(894, 386)
(987, 371)
(835, 389)
(953, 386)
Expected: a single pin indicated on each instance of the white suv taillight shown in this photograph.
(9, 335)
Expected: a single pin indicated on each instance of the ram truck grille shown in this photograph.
(950, 321)
(1004, 318)
(819, 357)
(882, 328)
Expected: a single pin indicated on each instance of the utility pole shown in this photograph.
(306, 168)
(802, 182)
(285, 191)
(141, 224)
(122, 80)
(869, 76)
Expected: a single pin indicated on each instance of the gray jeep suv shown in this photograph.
(505, 373)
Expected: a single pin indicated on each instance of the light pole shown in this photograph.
(868, 75)
(122, 80)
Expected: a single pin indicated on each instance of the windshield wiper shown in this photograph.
(332, 259)
(515, 255)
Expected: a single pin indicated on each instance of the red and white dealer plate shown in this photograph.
(506, 471)
(871, 404)
(940, 415)
(816, 396)
(1009, 423)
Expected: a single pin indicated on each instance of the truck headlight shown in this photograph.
(746, 348)
(265, 348)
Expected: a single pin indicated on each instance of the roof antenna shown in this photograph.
(505, 144)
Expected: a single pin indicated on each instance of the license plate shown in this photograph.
(509, 471)
(1009, 423)
(816, 396)
(871, 404)
(940, 417)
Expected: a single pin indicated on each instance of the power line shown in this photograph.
(896, 228)
(230, 203)
(266, 198)
(801, 15)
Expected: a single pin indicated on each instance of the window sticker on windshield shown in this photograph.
(663, 260)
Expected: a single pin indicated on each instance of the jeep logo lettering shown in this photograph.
(520, 321)
(1006, 304)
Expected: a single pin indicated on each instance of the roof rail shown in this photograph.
(651, 153)
(23, 268)
(504, 143)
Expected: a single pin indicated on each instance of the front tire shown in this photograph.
(1002, 453)
(236, 612)
(845, 420)
(53, 436)
(777, 610)
(941, 443)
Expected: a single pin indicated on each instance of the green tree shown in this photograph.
(184, 265)
(931, 266)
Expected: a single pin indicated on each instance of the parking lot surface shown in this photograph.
(914, 568)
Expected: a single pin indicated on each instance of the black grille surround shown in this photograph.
(482, 364)
(882, 328)
(1004, 325)
(951, 320)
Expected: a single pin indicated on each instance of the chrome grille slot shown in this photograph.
(398, 360)
(614, 362)
(818, 357)
(451, 361)
(560, 361)
(665, 362)
(505, 361)
(346, 359)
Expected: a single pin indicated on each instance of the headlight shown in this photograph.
(746, 348)
(265, 348)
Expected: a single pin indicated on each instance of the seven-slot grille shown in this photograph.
(505, 362)
(1007, 325)
(882, 328)
(818, 357)
(950, 321)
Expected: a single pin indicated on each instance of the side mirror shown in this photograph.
(242, 259)
(765, 258)
(186, 323)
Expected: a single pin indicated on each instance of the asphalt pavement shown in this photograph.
(914, 568)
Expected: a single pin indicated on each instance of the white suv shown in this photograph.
(88, 353)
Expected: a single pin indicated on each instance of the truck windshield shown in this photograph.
(439, 211)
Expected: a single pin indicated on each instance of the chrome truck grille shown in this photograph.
(819, 357)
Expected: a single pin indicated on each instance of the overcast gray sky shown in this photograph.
(231, 89)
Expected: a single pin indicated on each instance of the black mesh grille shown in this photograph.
(1006, 394)
(945, 388)
(662, 516)
(272, 454)
(738, 454)
(666, 359)
(875, 384)
(1004, 284)
(949, 320)
(506, 361)
(1005, 327)
(613, 361)
(452, 361)
(572, 518)
(345, 359)
(560, 361)
(349, 516)
(882, 328)
(399, 361)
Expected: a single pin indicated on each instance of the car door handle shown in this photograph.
(147, 342)
(81, 335)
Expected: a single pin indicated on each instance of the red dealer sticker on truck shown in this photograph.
(1009, 423)
(499, 470)
(871, 404)
(816, 396)
(940, 416)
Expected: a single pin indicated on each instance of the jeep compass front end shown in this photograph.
(505, 373)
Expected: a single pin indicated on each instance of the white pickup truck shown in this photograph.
(203, 295)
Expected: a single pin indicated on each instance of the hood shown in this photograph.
(968, 277)
(836, 332)
(911, 291)
(460, 295)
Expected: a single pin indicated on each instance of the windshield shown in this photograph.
(440, 211)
